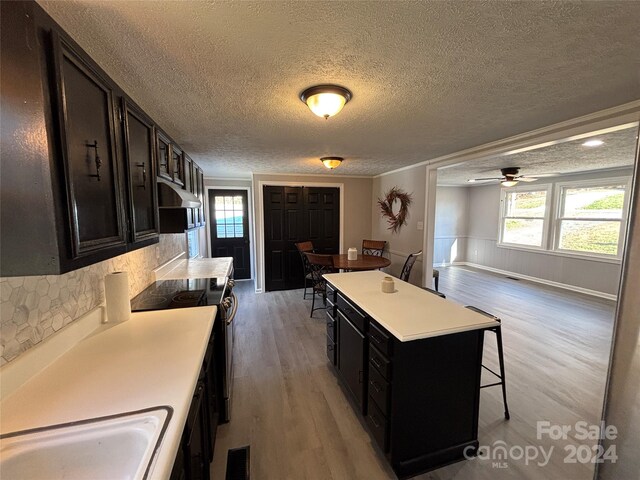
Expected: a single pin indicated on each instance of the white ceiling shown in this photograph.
(617, 152)
(428, 78)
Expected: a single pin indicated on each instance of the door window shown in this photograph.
(229, 216)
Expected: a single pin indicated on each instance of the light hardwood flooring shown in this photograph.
(289, 406)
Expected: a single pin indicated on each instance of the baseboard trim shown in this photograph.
(565, 286)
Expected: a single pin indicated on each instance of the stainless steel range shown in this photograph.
(194, 292)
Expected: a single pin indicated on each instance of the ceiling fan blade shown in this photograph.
(526, 179)
(553, 174)
(486, 179)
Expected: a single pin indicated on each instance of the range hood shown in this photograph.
(171, 195)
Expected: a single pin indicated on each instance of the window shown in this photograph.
(591, 216)
(582, 218)
(524, 216)
(229, 216)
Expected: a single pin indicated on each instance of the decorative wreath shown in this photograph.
(395, 221)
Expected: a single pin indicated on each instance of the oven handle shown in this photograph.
(234, 301)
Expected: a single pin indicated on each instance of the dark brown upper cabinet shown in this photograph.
(88, 152)
(200, 221)
(164, 155)
(177, 163)
(189, 185)
(139, 138)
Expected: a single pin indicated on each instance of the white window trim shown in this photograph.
(557, 217)
(545, 220)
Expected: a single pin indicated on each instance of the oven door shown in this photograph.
(228, 325)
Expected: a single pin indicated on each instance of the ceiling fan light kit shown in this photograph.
(326, 100)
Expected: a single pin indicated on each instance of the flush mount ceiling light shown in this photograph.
(593, 143)
(326, 100)
(331, 162)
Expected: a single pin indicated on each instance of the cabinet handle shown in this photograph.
(143, 166)
(375, 385)
(97, 160)
(359, 376)
(376, 339)
(329, 348)
(375, 361)
(375, 422)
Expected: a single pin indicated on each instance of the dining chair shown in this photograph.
(436, 278)
(305, 247)
(320, 264)
(408, 265)
(373, 247)
(498, 331)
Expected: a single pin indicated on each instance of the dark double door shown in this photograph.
(292, 215)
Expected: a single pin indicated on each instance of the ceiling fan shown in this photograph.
(510, 177)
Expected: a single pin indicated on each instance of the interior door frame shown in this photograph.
(252, 243)
(259, 219)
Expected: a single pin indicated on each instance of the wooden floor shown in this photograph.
(288, 404)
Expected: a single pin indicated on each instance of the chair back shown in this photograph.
(373, 247)
(305, 247)
(408, 265)
(319, 264)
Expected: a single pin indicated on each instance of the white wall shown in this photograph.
(409, 239)
(452, 224)
(600, 275)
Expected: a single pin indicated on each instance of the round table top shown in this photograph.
(363, 262)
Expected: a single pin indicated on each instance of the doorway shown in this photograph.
(295, 214)
(229, 220)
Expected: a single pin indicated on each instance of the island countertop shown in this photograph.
(409, 313)
(151, 360)
(196, 268)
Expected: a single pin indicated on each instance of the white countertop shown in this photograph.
(196, 268)
(153, 359)
(409, 313)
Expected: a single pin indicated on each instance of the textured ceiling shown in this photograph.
(428, 78)
(618, 151)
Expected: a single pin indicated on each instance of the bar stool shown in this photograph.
(498, 331)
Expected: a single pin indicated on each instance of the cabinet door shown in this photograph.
(141, 173)
(187, 175)
(163, 156)
(201, 196)
(351, 345)
(87, 129)
(177, 163)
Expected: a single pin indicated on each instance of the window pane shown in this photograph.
(526, 204)
(229, 231)
(228, 203)
(220, 231)
(237, 201)
(219, 202)
(585, 236)
(239, 231)
(523, 232)
(594, 202)
(219, 216)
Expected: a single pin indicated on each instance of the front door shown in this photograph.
(228, 217)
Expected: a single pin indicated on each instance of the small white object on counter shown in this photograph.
(388, 285)
(116, 294)
(411, 313)
(352, 254)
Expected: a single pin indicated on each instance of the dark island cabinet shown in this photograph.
(139, 139)
(88, 152)
(419, 398)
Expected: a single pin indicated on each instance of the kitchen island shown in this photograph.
(411, 363)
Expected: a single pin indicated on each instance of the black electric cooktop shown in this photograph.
(192, 292)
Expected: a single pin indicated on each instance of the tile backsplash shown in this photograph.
(34, 308)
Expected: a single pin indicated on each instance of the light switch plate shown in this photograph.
(420, 225)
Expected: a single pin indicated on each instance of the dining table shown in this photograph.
(362, 262)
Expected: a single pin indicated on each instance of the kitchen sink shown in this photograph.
(121, 446)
